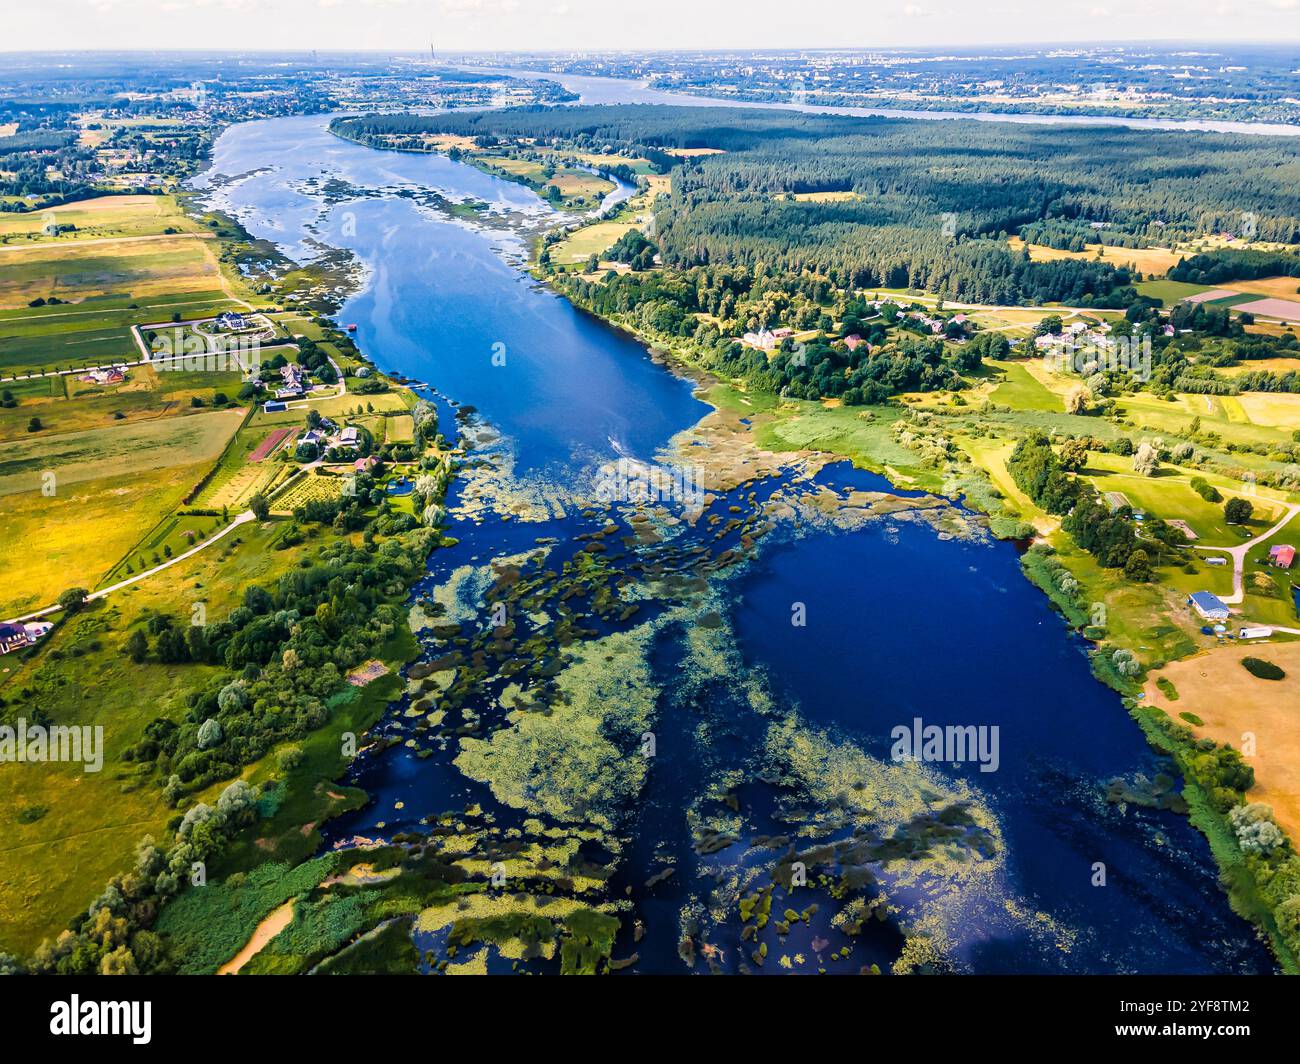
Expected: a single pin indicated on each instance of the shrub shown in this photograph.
(1265, 670)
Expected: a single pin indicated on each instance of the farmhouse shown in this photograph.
(1209, 606)
(112, 375)
(763, 340)
(1282, 555)
(231, 320)
(13, 637)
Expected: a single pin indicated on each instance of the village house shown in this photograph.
(231, 320)
(112, 375)
(1282, 556)
(1209, 606)
(13, 637)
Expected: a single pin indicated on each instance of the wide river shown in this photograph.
(598, 90)
(903, 621)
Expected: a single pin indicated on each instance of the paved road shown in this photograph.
(241, 519)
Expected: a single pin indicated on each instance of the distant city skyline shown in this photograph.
(589, 25)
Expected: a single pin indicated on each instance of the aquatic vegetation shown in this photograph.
(581, 761)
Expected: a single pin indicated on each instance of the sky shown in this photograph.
(580, 25)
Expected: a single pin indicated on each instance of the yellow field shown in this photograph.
(690, 153)
(245, 482)
(399, 429)
(107, 216)
(1271, 365)
(825, 197)
(1276, 409)
(992, 455)
(1276, 287)
(1216, 688)
(93, 454)
(581, 184)
(1151, 261)
(342, 407)
(139, 267)
(73, 538)
(589, 240)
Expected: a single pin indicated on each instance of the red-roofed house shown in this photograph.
(1283, 555)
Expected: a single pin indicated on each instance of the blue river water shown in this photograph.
(901, 624)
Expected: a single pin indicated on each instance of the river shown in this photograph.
(598, 90)
(767, 734)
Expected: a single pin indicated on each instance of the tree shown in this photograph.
(137, 645)
(260, 507)
(1074, 455)
(1126, 663)
(34, 425)
(1146, 460)
(1238, 511)
(1077, 401)
(1138, 567)
(172, 648)
(209, 734)
(73, 599)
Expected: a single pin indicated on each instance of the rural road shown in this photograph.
(1238, 555)
(241, 519)
(65, 245)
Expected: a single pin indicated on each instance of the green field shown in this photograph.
(93, 331)
(1170, 292)
(66, 403)
(1021, 390)
(89, 823)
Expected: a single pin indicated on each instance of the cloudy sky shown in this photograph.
(459, 25)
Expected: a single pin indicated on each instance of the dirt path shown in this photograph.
(241, 519)
(276, 922)
(50, 245)
(1238, 555)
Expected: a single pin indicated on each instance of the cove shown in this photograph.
(901, 622)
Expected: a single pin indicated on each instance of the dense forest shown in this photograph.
(924, 204)
(1234, 264)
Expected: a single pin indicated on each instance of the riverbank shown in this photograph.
(858, 437)
(520, 746)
